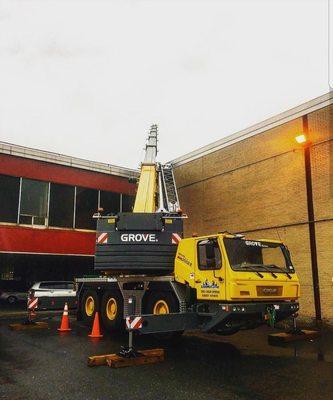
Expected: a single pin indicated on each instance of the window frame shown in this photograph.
(200, 267)
(10, 211)
(33, 217)
(52, 225)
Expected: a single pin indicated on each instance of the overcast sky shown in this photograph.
(88, 78)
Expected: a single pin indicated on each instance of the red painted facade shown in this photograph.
(33, 169)
(18, 239)
(22, 239)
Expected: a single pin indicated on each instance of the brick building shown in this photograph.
(255, 182)
(47, 201)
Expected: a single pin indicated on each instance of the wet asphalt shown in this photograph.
(42, 365)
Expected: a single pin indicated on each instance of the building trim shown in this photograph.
(68, 161)
(46, 227)
(46, 254)
(56, 173)
(280, 119)
(290, 225)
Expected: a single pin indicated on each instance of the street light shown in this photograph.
(300, 138)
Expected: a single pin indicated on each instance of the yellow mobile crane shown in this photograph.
(218, 283)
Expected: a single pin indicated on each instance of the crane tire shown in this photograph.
(88, 306)
(163, 302)
(112, 310)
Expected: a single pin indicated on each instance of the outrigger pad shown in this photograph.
(25, 326)
(152, 356)
(287, 337)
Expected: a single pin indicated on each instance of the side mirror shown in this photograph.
(210, 250)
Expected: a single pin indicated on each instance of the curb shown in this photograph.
(46, 313)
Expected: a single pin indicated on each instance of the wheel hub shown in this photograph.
(111, 308)
(90, 306)
(161, 307)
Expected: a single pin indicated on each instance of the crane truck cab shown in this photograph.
(237, 283)
(226, 267)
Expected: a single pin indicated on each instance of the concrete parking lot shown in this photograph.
(40, 364)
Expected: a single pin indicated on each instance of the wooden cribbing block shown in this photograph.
(284, 337)
(94, 361)
(115, 361)
(23, 327)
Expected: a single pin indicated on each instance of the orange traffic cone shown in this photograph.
(64, 326)
(96, 332)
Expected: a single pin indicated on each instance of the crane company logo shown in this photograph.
(269, 290)
(254, 243)
(210, 285)
(139, 237)
(182, 258)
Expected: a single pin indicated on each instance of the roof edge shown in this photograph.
(279, 119)
(61, 159)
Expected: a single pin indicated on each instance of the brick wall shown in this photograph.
(258, 186)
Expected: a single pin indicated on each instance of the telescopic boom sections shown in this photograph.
(145, 200)
(156, 178)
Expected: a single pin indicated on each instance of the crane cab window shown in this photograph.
(209, 254)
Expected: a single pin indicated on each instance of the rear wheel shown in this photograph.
(112, 310)
(89, 305)
(11, 299)
(160, 303)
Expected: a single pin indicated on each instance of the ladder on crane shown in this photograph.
(169, 201)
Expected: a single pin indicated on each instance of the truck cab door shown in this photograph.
(210, 272)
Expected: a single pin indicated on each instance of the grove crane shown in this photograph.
(218, 283)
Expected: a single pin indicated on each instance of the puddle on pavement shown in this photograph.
(320, 349)
(315, 350)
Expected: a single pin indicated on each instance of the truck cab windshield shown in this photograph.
(245, 255)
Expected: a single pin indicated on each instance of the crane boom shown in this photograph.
(145, 200)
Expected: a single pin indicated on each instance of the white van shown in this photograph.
(52, 295)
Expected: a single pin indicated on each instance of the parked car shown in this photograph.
(13, 297)
(52, 295)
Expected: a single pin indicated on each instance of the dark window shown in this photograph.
(61, 211)
(86, 206)
(60, 286)
(34, 195)
(127, 203)
(9, 198)
(53, 285)
(245, 255)
(209, 254)
(7, 273)
(110, 202)
(47, 285)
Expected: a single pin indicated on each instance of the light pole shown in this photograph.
(303, 139)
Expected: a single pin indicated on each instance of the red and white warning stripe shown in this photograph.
(135, 323)
(102, 238)
(32, 303)
(65, 309)
(175, 238)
